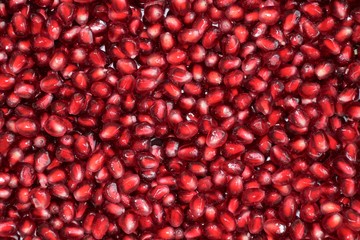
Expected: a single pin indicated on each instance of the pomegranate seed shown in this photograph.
(215, 119)
(55, 126)
(100, 226)
(7, 82)
(274, 227)
(7, 228)
(128, 222)
(253, 196)
(269, 15)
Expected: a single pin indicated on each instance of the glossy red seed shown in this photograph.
(128, 222)
(186, 130)
(214, 119)
(269, 15)
(197, 206)
(96, 161)
(216, 138)
(100, 226)
(129, 183)
(27, 127)
(274, 227)
(55, 126)
(7, 82)
(51, 84)
(7, 227)
(253, 196)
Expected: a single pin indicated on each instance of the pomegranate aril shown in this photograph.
(274, 227)
(269, 15)
(55, 126)
(181, 135)
(7, 228)
(128, 222)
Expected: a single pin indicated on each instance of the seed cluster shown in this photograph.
(179, 119)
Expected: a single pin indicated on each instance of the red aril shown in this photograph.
(179, 119)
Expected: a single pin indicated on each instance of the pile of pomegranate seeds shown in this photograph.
(179, 119)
